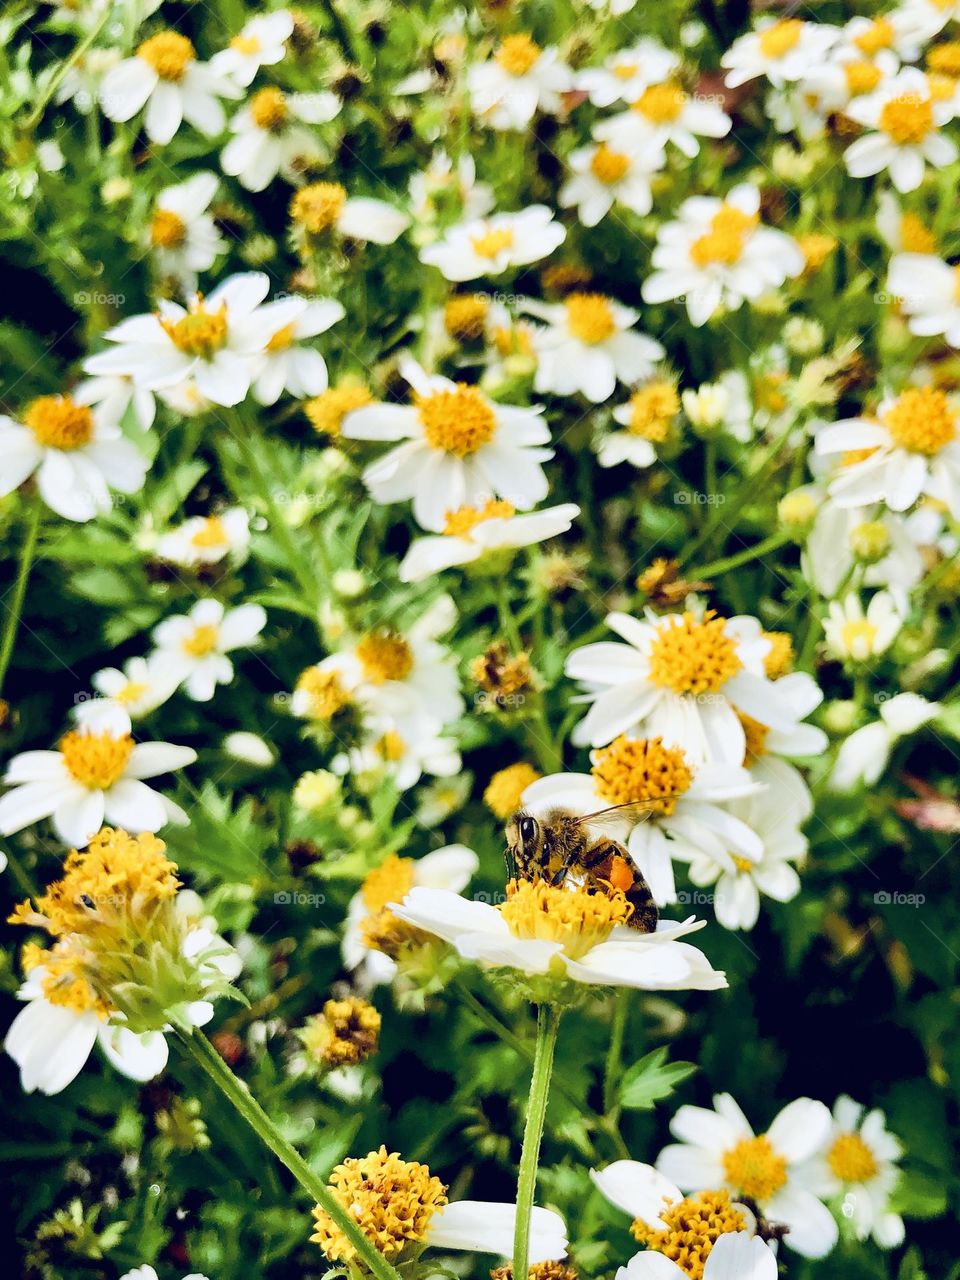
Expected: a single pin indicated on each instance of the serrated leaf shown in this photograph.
(652, 1079)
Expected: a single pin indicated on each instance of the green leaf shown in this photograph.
(652, 1079)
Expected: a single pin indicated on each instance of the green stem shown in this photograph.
(548, 1021)
(710, 482)
(20, 588)
(199, 1048)
(618, 1030)
(33, 119)
(505, 614)
(756, 552)
(340, 32)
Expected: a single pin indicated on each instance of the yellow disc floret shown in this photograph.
(641, 769)
(465, 315)
(608, 166)
(861, 76)
(493, 242)
(571, 916)
(652, 411)
(391, 1200)
(922, 420)
(327, 411)
(691, 655)
(344, 1034)
(755, 1168)
(755, 735)
(777, 40)
(880, 34)
(199, 333)
(57, 422)
(211, 533)
(96, 760)
(851, 1160)
(778, 661)
(324, 693)
(590, 317)
(907, 119)
(167, 229)
(201, 641)
(693, 1227)
(462, 522)
(517, 54)
(317, 207)
(661, 103)
(384, 655)
(726, 239)
(460, 421)
(169, 53)
(505, 789)
(269, 110)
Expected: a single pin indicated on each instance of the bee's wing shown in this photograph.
(620, 815)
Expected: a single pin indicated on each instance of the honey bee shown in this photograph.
(559, 841)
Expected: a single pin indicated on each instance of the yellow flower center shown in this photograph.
(945, 58)
(755, 1169)
(590, 318)
(397, 939)
(756, 738)
(879, 35)
(861, 76)
(870, 540)
(269, 110)
(391, 1200)
(199, 333)
(779, 38)
(492, 242)
(391, 747)
(729, 230)
(661, 103)
(212, 533)
(325, 692)
(652, 411)
(942, 88)
(608, 166)
(317, 207)
(327, 411)
(96, 760)
(390, 882)
(505, 789)
(465, 315)
(460, 421)
(539, 1271)
(625, 70)
(779, 660)
(245, 44)
(202, 640)
(65, 984)
(462, 522)
(743, 864)
(517, 54)
(907, 120)
(633, 769)
(854, 632)
(914, 236)
(694, 1225)
(574, 917)
(693, 656)
(167, 229)
(169, 53)
(922, 420)
(131, 692)
(384, 655)
(851, 457)
(797, 508)
(851, 1160)
(515, 341)
(58, 423)
(816, 249)
(345, 1033)
(283, 339)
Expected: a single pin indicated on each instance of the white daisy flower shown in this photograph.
(602, 176)
(857, 1167)
(183, 236)
(403, 749)
(137, 690)
(926, 289)
(858, 636)
(165, 77)
(459, 448)
(77, 452)
(192, 647)
(215, 344)
(863, 755)
(146, 1272)
(773, 814)
(687, 820)
(429, 188)
(97, 772)
(649, 416)
(567, 931)
(506, 91)
(782, 49)
(683, 678)
(81, 84)
(450, 868)
(724, 405)
(115, 394)
(902, 230)
(322, 207)
(718, 1149)
(206, 539)
(627, 72)
(587, 344)
(271, 135)
(718, 253)
(471, 533)
(714, 1228)
(911, 448)
(664, 112)
(262, 42)
(925, 18)
(285, 365)
(888, 33)
(878, 539)
(904, 116)
(490, 246)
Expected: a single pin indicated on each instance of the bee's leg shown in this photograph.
(560, 874)
(510, 863)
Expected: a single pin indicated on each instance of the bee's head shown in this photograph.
(524, 840)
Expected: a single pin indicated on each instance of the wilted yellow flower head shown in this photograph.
(346, 1033)
(505, 788)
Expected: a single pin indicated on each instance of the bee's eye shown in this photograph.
(528, 830)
